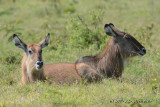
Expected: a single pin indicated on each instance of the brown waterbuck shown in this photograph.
(110, 62)
(32, 67)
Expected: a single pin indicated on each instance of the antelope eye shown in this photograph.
(30, 52)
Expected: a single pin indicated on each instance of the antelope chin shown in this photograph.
(140, 54)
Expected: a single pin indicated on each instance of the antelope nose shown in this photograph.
(40, 63)
(144, 50)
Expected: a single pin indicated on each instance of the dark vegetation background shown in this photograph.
(76, 28)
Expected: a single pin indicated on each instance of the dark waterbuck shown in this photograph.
(110, 62)
(33, 69)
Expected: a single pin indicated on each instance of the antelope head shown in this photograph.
(128, 45)
(33, 52)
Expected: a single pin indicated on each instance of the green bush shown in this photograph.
(82, 35)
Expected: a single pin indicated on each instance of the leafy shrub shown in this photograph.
(81, 34)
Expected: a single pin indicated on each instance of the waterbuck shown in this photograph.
(110, 62)
(33, 69)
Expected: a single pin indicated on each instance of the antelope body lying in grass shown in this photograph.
(32, 67)
(110, 62)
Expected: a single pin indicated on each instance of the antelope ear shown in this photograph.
(19, 43)
(45, 41)
(109, 31)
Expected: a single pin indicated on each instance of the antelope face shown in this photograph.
(129, 46)
(32, 51)
(34, 56)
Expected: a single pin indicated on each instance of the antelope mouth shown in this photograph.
(38, 67)
(141, 54)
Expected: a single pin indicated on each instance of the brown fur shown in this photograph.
(110, 62)
(57, 73)
(87, 73)
(32, 74)
(61, 73)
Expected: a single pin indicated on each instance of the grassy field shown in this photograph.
(76, 28)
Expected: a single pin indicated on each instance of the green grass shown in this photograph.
(76, 28)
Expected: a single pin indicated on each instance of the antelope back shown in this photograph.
(62, 73)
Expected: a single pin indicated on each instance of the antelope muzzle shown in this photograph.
(39, 65)
(142, 52)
